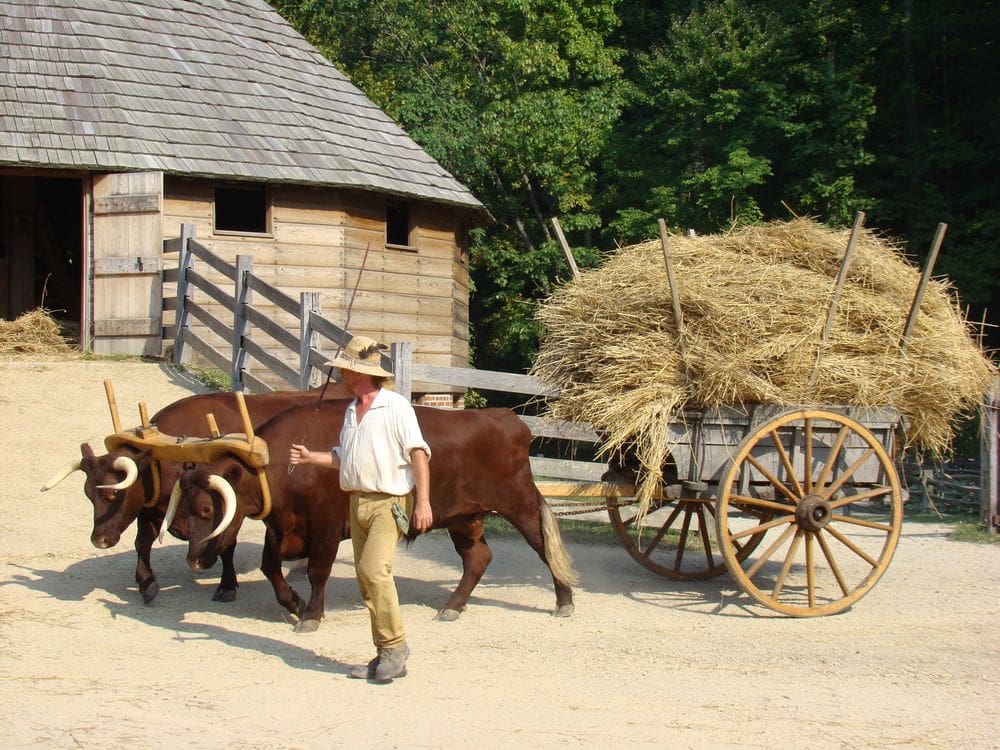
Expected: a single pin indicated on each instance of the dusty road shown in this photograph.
(643, 662)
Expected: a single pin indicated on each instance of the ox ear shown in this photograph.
(143, 458)
(86, 451)
(233, 474)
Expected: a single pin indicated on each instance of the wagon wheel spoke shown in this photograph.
(862, 522)
(810, 570)
(831, 460)
(706, 539)
(769, 552)
(756, 502)
(743, 548)
(832, 562)
(807, 442)
(675, 539)
(835, 521)
(775, 482)
(787, 564)
(786, 461)
(760, 528)
(851, 470)
(859, 497)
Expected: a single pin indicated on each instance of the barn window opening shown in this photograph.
(241, 209)
(397, 224)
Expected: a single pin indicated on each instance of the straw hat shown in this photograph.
(361, 354)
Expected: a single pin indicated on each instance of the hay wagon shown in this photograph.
(802, 506)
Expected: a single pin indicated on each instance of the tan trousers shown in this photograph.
(374, 535)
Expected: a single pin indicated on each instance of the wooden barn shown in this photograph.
(121, 120)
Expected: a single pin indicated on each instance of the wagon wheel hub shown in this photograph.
(813, 513)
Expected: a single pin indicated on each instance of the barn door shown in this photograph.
(127, 262)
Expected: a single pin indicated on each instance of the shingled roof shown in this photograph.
(224, 89)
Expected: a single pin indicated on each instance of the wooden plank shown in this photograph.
(266, 325)
(270, 362)
(555, 468)
(127, 327)
(482, 379)
(299, 233)
(127, 204)
(561, 430)
(121, 266)
(585, 489)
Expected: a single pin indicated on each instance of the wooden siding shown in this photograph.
(318, 241)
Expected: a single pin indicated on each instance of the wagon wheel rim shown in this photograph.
(677, 539)
(831, 538)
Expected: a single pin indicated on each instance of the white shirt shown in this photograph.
(375, 454)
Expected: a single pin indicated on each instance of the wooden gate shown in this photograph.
(126, 263)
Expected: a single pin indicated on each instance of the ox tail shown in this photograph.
(555, 553)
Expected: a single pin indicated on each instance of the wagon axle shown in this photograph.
(813, 513)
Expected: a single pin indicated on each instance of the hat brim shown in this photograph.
(346, 363)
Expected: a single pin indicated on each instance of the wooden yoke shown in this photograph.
(246, 446)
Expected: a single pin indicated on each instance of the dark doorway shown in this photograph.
(41, 247)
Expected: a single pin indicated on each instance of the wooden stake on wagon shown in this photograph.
(845, 264)
(565, 248)
(672, 282)
(925, 278)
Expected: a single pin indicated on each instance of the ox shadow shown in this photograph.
(293, 655)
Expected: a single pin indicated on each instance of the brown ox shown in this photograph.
(120, 484)
(479, 465)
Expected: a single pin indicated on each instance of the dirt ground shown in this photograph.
(643, 662)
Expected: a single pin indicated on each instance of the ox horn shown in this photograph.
(228, 496)
(168, 517)
(60, 475)
(131, 469)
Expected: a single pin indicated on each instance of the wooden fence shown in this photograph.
(316, 336)
(934, 487)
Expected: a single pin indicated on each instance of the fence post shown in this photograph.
(990, 460)
(309, 302)
(243, 297)
(402, 357)
(185, 262)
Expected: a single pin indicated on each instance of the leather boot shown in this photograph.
(366, 672)
(392, 663)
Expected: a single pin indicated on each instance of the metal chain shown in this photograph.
(580, 508)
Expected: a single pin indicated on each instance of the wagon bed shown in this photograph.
(803, 506)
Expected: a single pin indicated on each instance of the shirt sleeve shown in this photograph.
(410, 436)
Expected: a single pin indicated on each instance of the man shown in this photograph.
(383, 461)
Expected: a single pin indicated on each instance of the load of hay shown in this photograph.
(754, 303)
(34, 332)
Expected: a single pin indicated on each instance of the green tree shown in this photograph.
(516, 98)
(937, 143)
(746, 110)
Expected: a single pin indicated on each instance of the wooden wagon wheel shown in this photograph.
(677, 538)
(837, 512)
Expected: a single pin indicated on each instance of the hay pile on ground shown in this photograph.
(754, 303)
(34, 332)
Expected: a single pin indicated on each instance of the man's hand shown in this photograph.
(299, 454)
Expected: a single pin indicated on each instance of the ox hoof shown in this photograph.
(224, 595)
(149, 593)
(307, 626)
(564, 610)
(449, 615)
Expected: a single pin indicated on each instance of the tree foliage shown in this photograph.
(613, 114)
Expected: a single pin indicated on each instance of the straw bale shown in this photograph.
(754, 303)
(34, 332)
